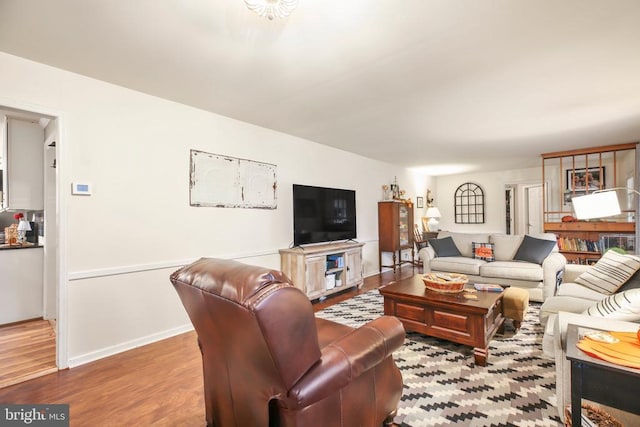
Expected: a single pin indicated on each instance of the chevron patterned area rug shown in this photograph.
(444, 387)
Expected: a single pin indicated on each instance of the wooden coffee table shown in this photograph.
(448, 316)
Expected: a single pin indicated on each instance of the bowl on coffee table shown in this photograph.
(445, 282)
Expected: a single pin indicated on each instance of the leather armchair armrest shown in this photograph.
(347, 358)
(551, 266)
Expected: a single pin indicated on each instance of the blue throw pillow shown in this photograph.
(444, 247)
(534, 250)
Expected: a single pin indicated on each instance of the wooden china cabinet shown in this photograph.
(395, 232)
(568, 174)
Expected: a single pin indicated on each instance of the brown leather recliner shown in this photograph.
(268, 361)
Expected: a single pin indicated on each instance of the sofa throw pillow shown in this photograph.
(610, 272)
(483, 251)
(534, 250)
(621, 306)
(444, 247)
(632, 283)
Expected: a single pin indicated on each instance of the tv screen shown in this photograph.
(323, 214)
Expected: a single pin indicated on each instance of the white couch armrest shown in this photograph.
(563, 366)
(551, 267)
(426, 255)
(572, 271)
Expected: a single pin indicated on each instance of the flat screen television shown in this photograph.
(323, 214)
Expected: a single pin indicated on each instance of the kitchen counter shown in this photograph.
(23, 246)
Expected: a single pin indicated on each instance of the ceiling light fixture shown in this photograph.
(272, 8)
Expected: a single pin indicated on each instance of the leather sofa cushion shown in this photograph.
(512, 270)
(457, 264)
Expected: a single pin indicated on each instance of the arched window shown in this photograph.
(469, 203)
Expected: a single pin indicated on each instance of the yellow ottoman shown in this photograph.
(515, 303)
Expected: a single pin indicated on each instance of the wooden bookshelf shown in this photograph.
(572, 233)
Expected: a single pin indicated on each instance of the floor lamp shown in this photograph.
(599, 204)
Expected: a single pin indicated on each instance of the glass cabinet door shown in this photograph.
(404, 225)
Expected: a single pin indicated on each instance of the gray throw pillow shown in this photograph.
(534, 250)
(632, 283)
(444, 247)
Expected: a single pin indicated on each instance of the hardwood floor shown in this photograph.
(157, 384)
(27, 350)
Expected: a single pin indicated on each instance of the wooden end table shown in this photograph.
(451, 317)
(598, 380)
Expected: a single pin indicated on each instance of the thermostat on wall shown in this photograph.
(81, 188)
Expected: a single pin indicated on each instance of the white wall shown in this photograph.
(121, 243)
(493, 184)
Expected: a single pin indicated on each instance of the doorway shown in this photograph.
(509, 203)
(523, 208)
(36, 339)
(533, 209)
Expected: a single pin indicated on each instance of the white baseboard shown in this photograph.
(128, 345)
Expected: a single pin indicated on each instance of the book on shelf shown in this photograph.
(578, 245)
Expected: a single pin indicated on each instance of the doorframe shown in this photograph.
(525, 199)
(510, 208)
(62, 317)
(519, 208)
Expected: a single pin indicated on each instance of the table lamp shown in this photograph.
(432, 215)
(23, 227)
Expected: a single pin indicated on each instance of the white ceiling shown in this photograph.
(466, 83)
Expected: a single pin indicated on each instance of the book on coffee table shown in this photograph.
(488, 287)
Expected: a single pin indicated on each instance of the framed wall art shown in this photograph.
(583, 179)
(223, 181)
(469, 204)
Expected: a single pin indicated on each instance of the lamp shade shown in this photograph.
(596, 205)
(432, 212)
(24, 225)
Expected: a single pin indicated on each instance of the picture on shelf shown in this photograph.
(583, 179)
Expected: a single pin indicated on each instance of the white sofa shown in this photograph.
(574, 298)
(569, 297)
(539, 280)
